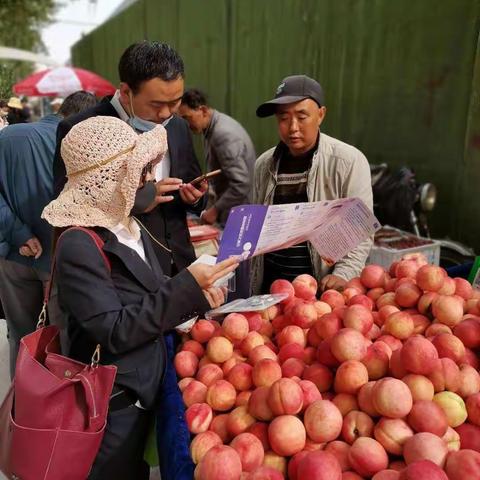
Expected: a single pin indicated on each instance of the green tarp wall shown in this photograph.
(402, 77)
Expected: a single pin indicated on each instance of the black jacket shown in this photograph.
(168, 221)
(126, 309)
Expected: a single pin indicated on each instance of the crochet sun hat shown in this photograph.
(104, 158)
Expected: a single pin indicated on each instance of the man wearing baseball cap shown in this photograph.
(307, 166)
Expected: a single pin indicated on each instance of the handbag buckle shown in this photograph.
(95, 357)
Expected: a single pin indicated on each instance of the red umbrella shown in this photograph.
(61, 81)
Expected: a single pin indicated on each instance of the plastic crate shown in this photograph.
(385, 256)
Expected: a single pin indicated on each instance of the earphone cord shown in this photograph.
(150, 235)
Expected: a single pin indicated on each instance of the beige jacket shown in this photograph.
(338, 171)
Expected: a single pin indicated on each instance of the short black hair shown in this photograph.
(76, 103)
(194, 98)
(145, 60)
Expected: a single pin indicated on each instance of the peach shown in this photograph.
(271, 312)
(453, 406)
(255, 321)
(309, 355)
(290, 350)
(430, 278)
(325, 355)
(258, 404)
(235, 327)
(292, 367)
(240, 376)
(327, 326)
(310, 393)
(452, 439)
(305, 287)
(195, 392)
(350, 292)
(194, 347)
(392, 398)
(425, 446)
(266, 329)
(387, 298)
(473, 408)
(468, 332)
(303, 315)
(363, 300)
(243, 398)
(265, 473)
(420, 323)
(420, 387)
(373, 276)
(350, 377)
(469, 436)
(340, 451)
(275, 461)
(219, 349)
(265, 372)
(283, 286)
(220, 463)
(427, 416)
(261, 352)
(184, 383)
(202, 443)
(367, 456)
(333, 298)
(323, 421)
(320, 375)
(400, 325)
(202, 331)
(279, 323)
(392, 342)
(423, 470)
(469, 381)
(260, 430)
(406, 269)
(286, 435)
(209, 374)
(356, 424)
(407, 295)
(435, 329)
(447, 310)
(397, 367)
(198, 417)
(186, 363)
(418, 355)
(319, 465)
(448, 287)
(462, 465)
(239, 420)
(313, 339)
(424, 305)
(351, 476)
(291, 334)
(322, 308)
(375, 331)
(221, 395)
(445, 375)
(392, 433)
(348, 344)
(449, 346)
(463, 288)
(359, 318)
(250, 451)
(219, 426)
(293, 464)
(471, 359)
(356, 283)
(252, 340)
(375, 293)
(365, 399)
(285, 397)
(386, 475)
(377, 360)
(345, 403)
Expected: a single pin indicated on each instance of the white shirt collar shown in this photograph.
(128, 229)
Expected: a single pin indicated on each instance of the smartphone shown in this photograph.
(206, 176)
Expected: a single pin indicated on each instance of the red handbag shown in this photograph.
(53, 418)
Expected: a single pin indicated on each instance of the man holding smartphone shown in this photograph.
(227, 147)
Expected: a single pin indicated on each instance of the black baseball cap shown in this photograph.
(292, 89)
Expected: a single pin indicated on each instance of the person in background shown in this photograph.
(26, 186)
(26, 110)
(117, 295)
(3, 114)
(227, 147)
(15, 111)
(150, 91)
(307, 166)
(56, 103)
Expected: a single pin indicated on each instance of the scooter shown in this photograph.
(400, 201)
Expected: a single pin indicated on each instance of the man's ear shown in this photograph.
(322, 112)
(204, 109)
(125, 91)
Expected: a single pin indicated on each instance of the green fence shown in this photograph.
(401, 78)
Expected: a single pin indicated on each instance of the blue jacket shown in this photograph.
(26, 186)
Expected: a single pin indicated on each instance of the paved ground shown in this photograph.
(5, 380)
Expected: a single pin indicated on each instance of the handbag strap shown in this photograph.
(42, 319)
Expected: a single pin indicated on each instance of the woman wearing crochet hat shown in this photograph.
(113, 292)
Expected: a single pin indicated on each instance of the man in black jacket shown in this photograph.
(150, 92)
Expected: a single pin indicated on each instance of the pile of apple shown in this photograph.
(380, 381)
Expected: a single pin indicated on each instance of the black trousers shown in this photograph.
(121, 453)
